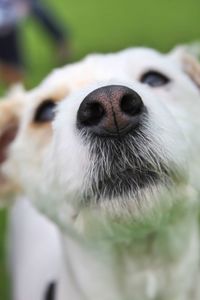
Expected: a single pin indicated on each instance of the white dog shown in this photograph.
(119, 176)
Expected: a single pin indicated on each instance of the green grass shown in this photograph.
(102, 26)
(4, 282)
(111, 25)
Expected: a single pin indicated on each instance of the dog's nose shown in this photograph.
(110, 110)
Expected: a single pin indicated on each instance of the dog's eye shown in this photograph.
(154, 79)
(45, 112)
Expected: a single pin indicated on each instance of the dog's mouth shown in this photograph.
(125, 156)
(122, 166)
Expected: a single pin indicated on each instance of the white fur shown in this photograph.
(68, 169)
(34, 243)
(35, 252)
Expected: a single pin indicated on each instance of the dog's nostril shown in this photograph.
(131, 104)
(91, 113)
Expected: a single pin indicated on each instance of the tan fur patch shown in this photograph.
(192, 67)
(10, 113)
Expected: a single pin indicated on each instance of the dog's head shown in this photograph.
(127, 129)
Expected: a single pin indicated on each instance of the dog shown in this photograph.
(33, 240)
(119, 175)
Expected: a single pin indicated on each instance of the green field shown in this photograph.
(102, 26)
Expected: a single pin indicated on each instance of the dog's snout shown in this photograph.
(110, 110)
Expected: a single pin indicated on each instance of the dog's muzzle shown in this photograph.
(112, 121)
(112, 110)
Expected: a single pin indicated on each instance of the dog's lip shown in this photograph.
(113, 133)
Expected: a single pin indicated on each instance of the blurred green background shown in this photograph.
(102, 26)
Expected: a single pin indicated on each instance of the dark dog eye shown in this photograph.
(154, 79)
(45, 112)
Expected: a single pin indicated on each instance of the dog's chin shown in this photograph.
(124, 166)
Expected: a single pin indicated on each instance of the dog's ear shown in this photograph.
(9, 123)
(188, 57)
(11, 107)
(10, 117)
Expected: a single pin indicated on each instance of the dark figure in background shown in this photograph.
(12, 12)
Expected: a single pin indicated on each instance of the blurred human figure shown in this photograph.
(60, 36)
(12, 12)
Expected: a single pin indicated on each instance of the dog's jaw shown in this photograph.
(124, 166)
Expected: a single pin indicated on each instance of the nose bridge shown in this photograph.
(110, 101)
(113, 76)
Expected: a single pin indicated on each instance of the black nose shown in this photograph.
(110, 110)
